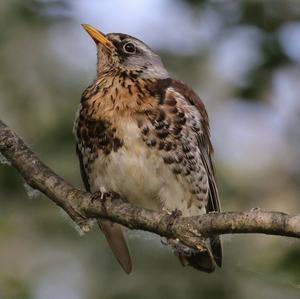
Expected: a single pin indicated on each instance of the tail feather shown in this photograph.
(217, 250)
(205, 260)
(115, 238)
(202, 261)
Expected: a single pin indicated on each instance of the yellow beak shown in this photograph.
(97, 36)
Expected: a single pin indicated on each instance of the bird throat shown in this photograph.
(120, 93)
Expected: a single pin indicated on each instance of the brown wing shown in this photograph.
(206, 151)
(112, 231)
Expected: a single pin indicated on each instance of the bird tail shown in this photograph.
(115, 238)
(205, 260)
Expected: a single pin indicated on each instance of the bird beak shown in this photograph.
(98, 36)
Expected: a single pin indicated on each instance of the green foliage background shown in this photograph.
(42, 255)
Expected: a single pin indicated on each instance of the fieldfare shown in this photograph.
(146, 136)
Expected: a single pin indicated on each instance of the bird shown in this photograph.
(146, 136)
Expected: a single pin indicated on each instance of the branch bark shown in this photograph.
(81, 206)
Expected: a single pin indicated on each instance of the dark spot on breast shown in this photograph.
(89, 92)
(194, 191)
(140, 91)
(145, 131)
(133, 74)
(151, 142)
(190, 156)
(123, 75)
(186, 148)
(161, 145)
(84, 97)
(158, 125)
(176, 170)
(84, 134)
(129, 89)
(171, 102)
(203, 190)
(103, 140)
(173, 110)
(187, 172)
(168, 160)
(168, 146)
(192, 167)
(104, 91)
(181, 114)
(176, 130)
(98, 135)
(117, 143)
(180, 120)
(162, 133)
(161, 115)
(100, 127)
(107, 150)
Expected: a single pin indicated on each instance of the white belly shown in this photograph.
(139, 174)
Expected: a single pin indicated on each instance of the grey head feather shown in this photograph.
(144, 59)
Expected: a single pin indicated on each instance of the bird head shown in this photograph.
(119, 53)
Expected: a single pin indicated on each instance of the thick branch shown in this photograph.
(80, 206)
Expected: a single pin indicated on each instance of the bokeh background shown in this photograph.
(242, 57)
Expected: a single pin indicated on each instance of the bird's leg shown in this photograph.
(179, 248)
(102, 196)
(172, 217)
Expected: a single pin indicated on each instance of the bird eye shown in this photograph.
(129, 48)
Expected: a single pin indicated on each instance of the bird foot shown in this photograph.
(178, 247)
(102, 196)
(175, 214)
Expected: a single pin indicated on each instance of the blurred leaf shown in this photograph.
(12, 288)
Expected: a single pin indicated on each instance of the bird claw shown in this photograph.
(172, 217)
(170, 242)
(165, 242)
(102, 196)
(98, 196)
(176, 213)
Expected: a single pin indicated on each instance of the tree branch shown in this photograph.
(81, 207)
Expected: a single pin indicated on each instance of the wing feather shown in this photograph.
(206, 150)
